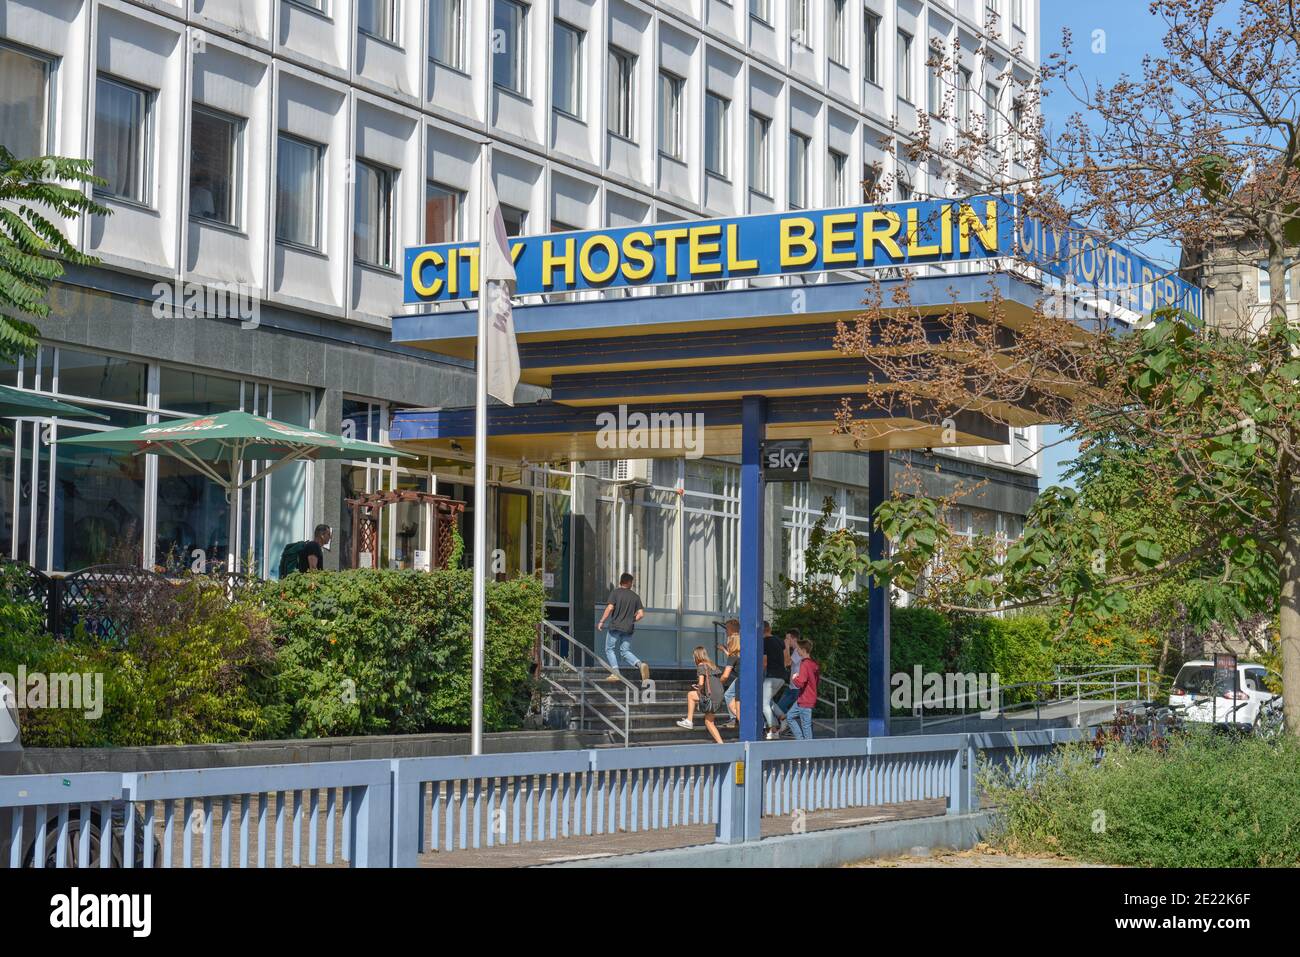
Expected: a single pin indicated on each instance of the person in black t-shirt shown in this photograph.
(774, 674)
(312, 556)
(622, 611)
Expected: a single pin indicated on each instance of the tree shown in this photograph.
(30, 242)
(1203, 147)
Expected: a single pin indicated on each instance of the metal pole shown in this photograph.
(878, 656)
(753, 432)
(480, 477)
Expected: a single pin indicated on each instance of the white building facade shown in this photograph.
(290, 149)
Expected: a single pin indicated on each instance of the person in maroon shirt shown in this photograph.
(805, 681)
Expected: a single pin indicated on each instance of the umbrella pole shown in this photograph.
(232, 496)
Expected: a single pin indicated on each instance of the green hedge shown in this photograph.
(358, 652)
(388, 652)
(1018, 649)
(193, 669)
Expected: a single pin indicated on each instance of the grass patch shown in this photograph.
(1209, 800)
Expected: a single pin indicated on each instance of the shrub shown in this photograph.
(837, 626)
(389, 652)
(1210, 800)
(196, 672)
(21, 619)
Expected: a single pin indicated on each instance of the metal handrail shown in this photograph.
(630, 691)
(1097, 683)
(841, 696)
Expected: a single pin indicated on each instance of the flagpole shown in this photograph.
(480, 470)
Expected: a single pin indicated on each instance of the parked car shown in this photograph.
(11, 742)
(1242, 701)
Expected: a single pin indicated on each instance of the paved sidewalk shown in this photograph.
(982, 855)
(575, 847)
(609, 845)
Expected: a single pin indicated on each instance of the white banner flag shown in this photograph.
(497, 278)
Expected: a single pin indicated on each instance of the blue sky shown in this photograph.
(1128, 32)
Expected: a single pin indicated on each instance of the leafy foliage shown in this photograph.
(371, 652)
(364, 652)
(30, 190)
(1018, 648)
(1220, 410)
(197, 673)
(1207, 801)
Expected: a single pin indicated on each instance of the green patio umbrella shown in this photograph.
(15, 403)
(233, 438)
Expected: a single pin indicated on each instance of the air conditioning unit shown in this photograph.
(625, 471)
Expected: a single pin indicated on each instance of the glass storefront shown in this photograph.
(66, 508)
(63, 508)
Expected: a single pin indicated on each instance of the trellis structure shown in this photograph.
(439, 534)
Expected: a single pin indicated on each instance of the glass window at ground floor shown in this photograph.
(65, 508)
(529, 516)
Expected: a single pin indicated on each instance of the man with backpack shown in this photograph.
(308, 556)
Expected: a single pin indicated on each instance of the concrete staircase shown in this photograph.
(651, 712)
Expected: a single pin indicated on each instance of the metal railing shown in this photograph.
(587, 685)
(839, 695)
(1110, 683)
(407, 811)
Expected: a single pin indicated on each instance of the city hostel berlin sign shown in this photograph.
(801, 241)
(771, 244)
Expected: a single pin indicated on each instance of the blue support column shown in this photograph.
(753, 431)
(877, 603)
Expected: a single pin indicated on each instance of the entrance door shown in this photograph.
(514, 533)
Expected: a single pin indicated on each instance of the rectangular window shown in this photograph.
(760, 10)
(121, 140)
(442, 207)
(870, 182)
(297, 191)
(566, 77)
(759, 163)
(670, 114)
(214, 166)
(799, 147)
(717, 149)
(800, 31)
(871, 48)
(372, 226)
(837, 191)
(1266, 283)
(509, 45)
(904, 66)
(1018, 128)
(963, 98)
(934, 90)
(838, 32)
(622, 67)
(24, 103)
(992, 120)
(375, 18)
(516, 220)
(447, 33)
(1018, 13)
